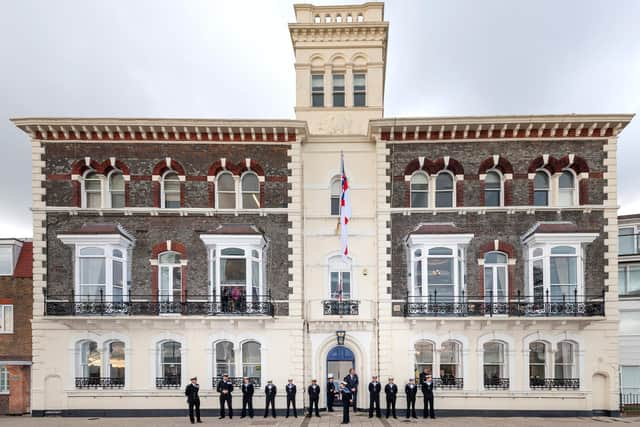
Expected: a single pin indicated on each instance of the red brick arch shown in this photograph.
(578, 166)
(551, 166)
(156, 250)
(505, 167)
(509, 250)
(160, 169)
(414, 165)
(79, 168)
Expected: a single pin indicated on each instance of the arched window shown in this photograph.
(251, 361)
(327, 19)
(537, 364)
(170, 281)
(565, 361)
(115, 351)
(496, 280)
(336, 193)
(226, 191)
(250, 191)
(89, 364)
(116, 189)
(419, 190)
(564, 273)
(349, 18)
(541, 189)
(493, 188)
(450, 358)
(495, 365)
(169, 365)
(92, 183)
(339, 19)
(340, 278)
(567, 189)
(317, 19)
(424, 357)
(233, 279)
(225, 358)
(444, 190)
(360, 18)
(170, 190)
(92, 280)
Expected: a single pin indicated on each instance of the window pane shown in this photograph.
(250, 182)
(444, 199)
(536, 352)
(493, 353)
(251, 200)
(419, 199)
(627, 241)
(92, 271)
(226, 182)
(233, 271)
(169, 258)
(232, 252)
(92, 182)
(566, 180)
(117, 200)
(116, 360)
(251, 352)
(540, 198)
(338, 82)
(492, 180)
(6, 264)
(94, 200)
(359, 81)
(117, 181)
(317, 82)
(338, 99)
(335, 205)
(495, 258)
(91, 360)
(170, 352)
(346, 284)
(538, 281)
(359, 100)
(335, 284)
(317, 100)
(492, 198)
(226, 200)
(444, 181)
(563, 270)
(424, 352)
(541, 181)
(632, 284)
(417, 274)
(91, 251)
(440, 251)
(7, 321)
(563, 250)
(117, 273)
(565, 197)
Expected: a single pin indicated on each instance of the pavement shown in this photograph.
(359, 420)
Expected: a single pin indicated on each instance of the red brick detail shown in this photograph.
(407, 194)
(579, 164)
(530, 185)
(6, 301)
(196, 178)
(159, 248)
(156, 194)
(120, 165)
(495, 134)
(583, 192)
(597, 175)
(24, 266)
(511, 271)
(253, 165)
(503, 165)
(162, 167)
(453, 166)
(216, 168)
(482, 199)
(141, 178)
(502, 247)
(414, 165)
(59, 177)
(552, 166)
(154, 283)
(261, 193)
(481, 280)
(277, 178)
(182, 195)
(508, 192)
(212, 194)
(76, 199)
(459, 193)
(79, 167)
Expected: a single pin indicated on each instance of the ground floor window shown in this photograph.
(169, 364)
(4, 379)
(495, 365)
(248, 364)
(98, 367)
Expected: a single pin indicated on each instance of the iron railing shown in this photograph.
(519, 306)
(169, 381)
(496, 383)
(99, 382)
(137, 305)
(630, 403)
(554, 383)
(342, 308)
(236, 381)
(449, 383)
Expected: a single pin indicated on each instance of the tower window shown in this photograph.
(317, 90)
(338, 90)
(359, 90)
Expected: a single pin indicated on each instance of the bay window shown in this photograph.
(437, 265)
(236, 270)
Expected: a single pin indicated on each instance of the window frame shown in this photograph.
(5, 387)
(160, 363)
(336, 264)
(318, 91)
(83, 189)
(545, 364)
(503, 365)
(110, 190)
(230, 365)
(242, 191)
(495, 267)
(170, 297)
(335, 90)
(235, 190)
(573, 365)
(12, 259)
(452, 190)
(623, 279)
(500, 189)
(357, 90)
(412, 191)
(547, 189)
(163, 190)
(457, 350)
(419, 366)
(336, 180)
(573, 191)
(7, 310)
(635, 236)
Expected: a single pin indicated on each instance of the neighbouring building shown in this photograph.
(482, 249)
(629, 305)
(16, 308)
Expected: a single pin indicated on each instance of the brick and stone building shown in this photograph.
(16, 308)
(482, 249)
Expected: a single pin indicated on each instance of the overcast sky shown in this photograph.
(233, 59)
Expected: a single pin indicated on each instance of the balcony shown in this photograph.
(449, 383)
(519, 306)
(144, 305)
(99, 382)
(496, 383)
(341, 308)
(236, 381)
(554, 383)
(170, 381)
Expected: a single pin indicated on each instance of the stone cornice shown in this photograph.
(363, 31)
(114, 129)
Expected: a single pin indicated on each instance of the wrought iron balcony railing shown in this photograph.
(236, 381)
(496, 383)
(137, 305)
(519, 306)
(554, 383)
(169, 381)
(341, 308)
(99, 382)
(449, 383)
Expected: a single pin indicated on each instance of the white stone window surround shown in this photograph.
(102, 343)
(6, 319)
(83, 187)
(335, 264)
(111, 191)
(238, 363)
(509, 357)
(551, 342)
(163, 190)
(554, 190)
(501, 180)
(156, 355)
(108, 243)
(545, 242)
(238, 189)
(216, 243)
(457, 243)
(9, 254)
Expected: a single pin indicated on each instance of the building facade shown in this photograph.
(629, 291)
(16, 295)
(482, 249)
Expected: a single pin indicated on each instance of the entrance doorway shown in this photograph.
(339, 360)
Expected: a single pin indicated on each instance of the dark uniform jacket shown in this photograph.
(270, 390)
(247, 389)
(391, 390)
(192, 393)
(352, 382)
(331, 387)
(427, 389)
(411, 390)
(291, 390)
(314, 391)
(222, 385)
(375, 388)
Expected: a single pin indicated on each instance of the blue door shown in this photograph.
(339, 360)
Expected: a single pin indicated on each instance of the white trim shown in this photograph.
(241, 190)
(501, 178)
(3, 330)
(433, 184)
(181, 178)
(217, 189)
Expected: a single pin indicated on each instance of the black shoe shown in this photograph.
(318, 415)
(433, 418)
(199, 421)
(193, 422)
(274, 416)
(395, 417)
(370, 416)
(220, 418)
(286, 416)
(242, 416)
(266, 416)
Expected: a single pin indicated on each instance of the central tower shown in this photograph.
(340, 66)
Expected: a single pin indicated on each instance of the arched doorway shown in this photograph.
(339, 360)
(600, 389)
